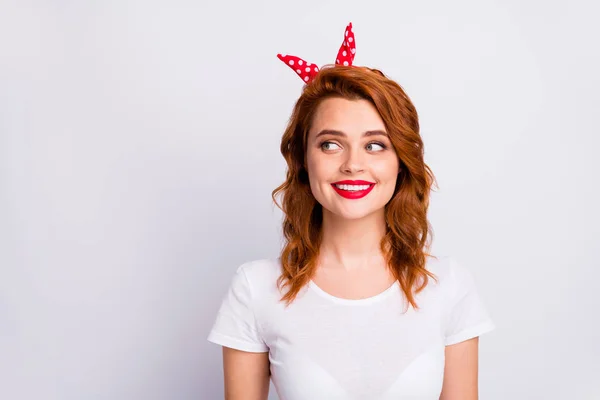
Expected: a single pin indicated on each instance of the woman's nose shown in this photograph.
(353, 162)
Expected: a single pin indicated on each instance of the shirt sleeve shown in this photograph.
(235, 325)
(467, 314)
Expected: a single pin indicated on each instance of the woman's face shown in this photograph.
(352, 166)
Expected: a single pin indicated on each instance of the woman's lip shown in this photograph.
(348, 182)
(354, 194)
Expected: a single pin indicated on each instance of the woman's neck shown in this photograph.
(352, 244)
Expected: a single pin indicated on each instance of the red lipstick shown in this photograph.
(353, 194)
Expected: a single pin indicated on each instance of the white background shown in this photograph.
(139, 144)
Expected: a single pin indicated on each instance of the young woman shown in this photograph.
(354, 307)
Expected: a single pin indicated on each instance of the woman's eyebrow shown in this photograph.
(342, 134)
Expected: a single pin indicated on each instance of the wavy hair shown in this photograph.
(408, 231)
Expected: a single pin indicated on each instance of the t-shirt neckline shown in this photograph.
(339, 300)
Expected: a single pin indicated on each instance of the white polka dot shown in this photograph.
(346, 63)
(346, 33)
(316, 69)
(306, 78)
(298, 71)
(291, 62)
(345, 44)
(337, 61)
(344, 53)
(299, 62)
(350, 39)
(353, 51)
(307, 69)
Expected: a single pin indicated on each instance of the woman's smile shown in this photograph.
(353, 189)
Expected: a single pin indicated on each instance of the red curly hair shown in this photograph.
(408, 231)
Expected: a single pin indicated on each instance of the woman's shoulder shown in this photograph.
(262, 273)
(444, 264)
(451, 274)
(439, 265)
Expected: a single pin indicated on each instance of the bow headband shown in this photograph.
(307, 71)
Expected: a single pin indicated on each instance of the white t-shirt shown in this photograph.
(329, 348)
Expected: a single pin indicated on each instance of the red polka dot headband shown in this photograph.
(307, 71)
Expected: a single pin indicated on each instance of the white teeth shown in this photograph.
(353, 187)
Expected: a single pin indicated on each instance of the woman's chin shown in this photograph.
(354, 214)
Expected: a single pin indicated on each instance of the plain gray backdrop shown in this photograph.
(139, 145)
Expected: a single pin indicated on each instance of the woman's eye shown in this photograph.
(376, 147)
(370, 147)
(328, 145)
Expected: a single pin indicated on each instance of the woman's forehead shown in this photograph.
(350, 117)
